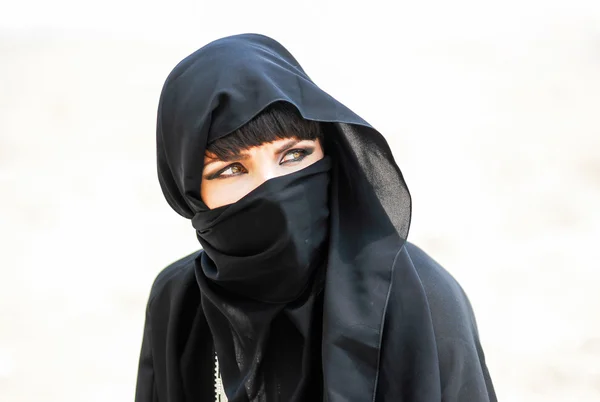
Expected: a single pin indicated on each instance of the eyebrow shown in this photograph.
(228, 158)
(290, 144)
(240, 157)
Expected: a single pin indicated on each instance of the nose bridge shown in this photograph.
(265, 168)
(266, 171)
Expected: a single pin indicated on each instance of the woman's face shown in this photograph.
(226, 181)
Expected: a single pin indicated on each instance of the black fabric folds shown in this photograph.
(384, 323)
(267, 350)
(266, 248)
(266, 245)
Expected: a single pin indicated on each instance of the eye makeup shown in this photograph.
(219, 173)
(303, 153)
(299, 153)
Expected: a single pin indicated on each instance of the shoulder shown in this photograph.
(438, 283)
(451, 310)
(463, 370)
(173, 279)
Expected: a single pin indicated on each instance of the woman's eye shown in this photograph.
(232, 170)
(295, 155)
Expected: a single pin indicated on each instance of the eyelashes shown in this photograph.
(235, 169)
(220, 174)
(299, 155)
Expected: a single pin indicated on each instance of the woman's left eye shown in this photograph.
(295, 155)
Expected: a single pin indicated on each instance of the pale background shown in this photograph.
(492, 110)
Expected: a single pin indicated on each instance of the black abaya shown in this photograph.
(393, 325)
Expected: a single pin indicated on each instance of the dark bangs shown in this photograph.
(278, 121)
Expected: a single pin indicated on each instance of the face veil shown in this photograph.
(210, 94)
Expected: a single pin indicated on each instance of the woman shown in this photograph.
(306, 288)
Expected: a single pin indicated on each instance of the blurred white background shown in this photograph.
(492, 110)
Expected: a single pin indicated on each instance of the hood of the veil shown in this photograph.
(222, 86)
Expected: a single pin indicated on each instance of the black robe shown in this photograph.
(395, 325)
(177, 361)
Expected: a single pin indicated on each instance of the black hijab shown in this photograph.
(221, 87)
(210, 94)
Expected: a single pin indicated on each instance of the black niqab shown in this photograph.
(264, 246)
(260, 255)
(378, 336)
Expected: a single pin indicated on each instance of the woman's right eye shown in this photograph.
(231, 170)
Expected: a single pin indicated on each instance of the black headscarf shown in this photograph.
(215, 91)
